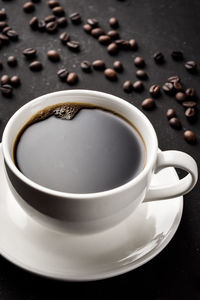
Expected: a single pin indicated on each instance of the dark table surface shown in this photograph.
(157, 25)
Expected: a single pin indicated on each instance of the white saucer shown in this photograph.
(67, 256)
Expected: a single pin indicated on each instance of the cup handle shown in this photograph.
(175, 159)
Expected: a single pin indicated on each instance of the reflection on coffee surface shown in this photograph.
(79, 148)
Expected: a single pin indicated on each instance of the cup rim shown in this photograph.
(78, 92)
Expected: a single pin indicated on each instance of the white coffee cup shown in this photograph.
(94, 211)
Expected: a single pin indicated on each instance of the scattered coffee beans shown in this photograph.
(62, 74)
(53, 3)
(159, 57)
(191, 66)
(190, 92)
(104, 39)
(175, 123)
(154, 90)
(15, 81)
(128, 86)
(87, 28)
(177, 55)
(6, 90)
(51, 27)
(180, 97)
(5, 79)
(86, 66)
(117, 65)
(148, 104)
(170, 113)
(72, 78)
(50, 18)
(30, 53)
(62, 22)
(139, 61)
(173, 79)
(34, 23)
(58, 11)
(12, 61)
(191, 104)
(190, 137)
(177, 86)
(73, 45)
(113, 22)
(138, 86)
(35, 66)
(53, 55)
(99, 65)
(29, 7)
(93, 22)
(113, 34)
(168, 87)
(141, 74)
(133, 44)
(190, 113)
(3, 15)
(112, 49)
(96, 32)
(75, 18)
(64, 37)
(110, 74)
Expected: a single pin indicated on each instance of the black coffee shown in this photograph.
(79, 149)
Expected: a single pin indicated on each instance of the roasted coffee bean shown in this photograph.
(7, 28)
(75, 18)
(53, 55)
(141, 74)
(15, 81)
(104, 39)
(190, 92)
(6, 90)
(191, 65)
(5, 79)
(191, 104)
(138, 86)
(62, 22)
(53, 3)
(1, 65)
(154, 90)
(112, 49)
(177, 55)
(117, 65)
(173, 79)
(12, 61)
(139, 61)
(159, 57)
(73, 45)
(177, 85)
(3, 15)
(3, 24)
(86, 66)
(127, 86)
(42, 26)
(72, 78)
(4, 39)
(64, 37)
(51, 27)
(96, 32)
(122, 44)
(190, 113)
(190, 137)
(30, 52)
(175, 123)
(49, 18)
(87, 28)
(99, 65)
(133, 44)
(113, 34)
(93, 22)
(180, 97)
(62, 74)
(58, 11)
(148, 104)
(168, 87)
(113, 22)
(12, 34)
(35, 66)
(34, 23)
(29, 7)
(110, 74)
(170, 113)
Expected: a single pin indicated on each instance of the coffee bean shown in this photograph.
(138, 86)
(112, 49)
(170, 113)
(6, 90)
(148, 104)
(141, 74)
(29, 7)
(4, 39)
(99, 65)
(117, 65)
(53, 55)
(191, 104)
(127, 86)
(180, 97)
(3, 24)
(173, 79)
(190, 113)
(15, 81)
(177, 85)
(75, 18)
(73, 45)
(159, 57)
(104, 39)
(50, 18)
(72, 78)
(62, 22)
(177, 55)
(29, 52)
(34, 23)
(58, 11)
(3, 15)
(133, 44)
(190, 137)
(62, 74)
(93, 22)
(175, 123)
(86, 66)
(122, 44)
(35, 66)
(53, 3)
(96, 32)
(190, 92)
(12, 61)
(191, 65)
(51, 27)
(113, 34)
(5, 79)
(154, 90)
(7, 28)
(64, 37)
(12, 34)
(113, 22)
(168, 87)
(139, 61)
(110, 74)
(87, 28)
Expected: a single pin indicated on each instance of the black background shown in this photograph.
(157, 25)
